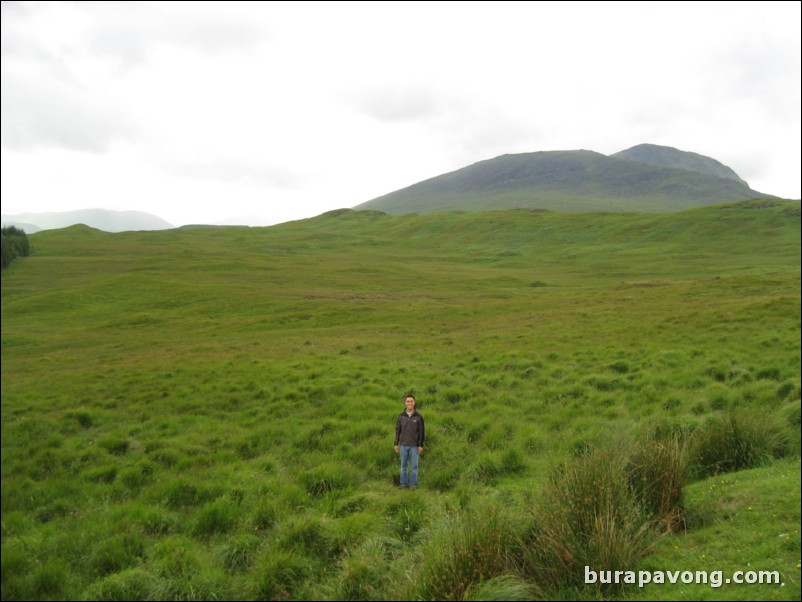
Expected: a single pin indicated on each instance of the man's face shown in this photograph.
(410, 403)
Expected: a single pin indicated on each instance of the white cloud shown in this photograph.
(284, 110)
(51, 112)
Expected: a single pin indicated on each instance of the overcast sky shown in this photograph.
(206, 112)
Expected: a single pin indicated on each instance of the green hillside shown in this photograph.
(208, 412)
(566, 181)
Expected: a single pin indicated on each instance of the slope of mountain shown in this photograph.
(579, 180)
(666, 156)
(102, 219)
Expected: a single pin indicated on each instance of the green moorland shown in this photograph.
(208, 413)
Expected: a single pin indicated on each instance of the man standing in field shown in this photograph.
(409, 435)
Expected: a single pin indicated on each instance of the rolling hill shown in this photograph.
(102, 219)
(646, 178)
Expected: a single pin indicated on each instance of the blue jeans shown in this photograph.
(409, 459)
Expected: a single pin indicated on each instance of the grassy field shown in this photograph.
(208, 413)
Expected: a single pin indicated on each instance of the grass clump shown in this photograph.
(736, 441)
(116, 553)
(503, 588)
(115, 445)
(463, 551)
(214, 518)
(238, 554)
(278, 574)
(658, 472)
(366, 571)
(308, 534)
(83, 418)
(323, 480)
(49, 580)
(130, 584)
(589, 517)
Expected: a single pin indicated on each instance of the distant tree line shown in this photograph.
(15, 244)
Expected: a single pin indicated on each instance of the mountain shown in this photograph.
(27, 228)
(579, 180)
(666, 156)
(102, 219)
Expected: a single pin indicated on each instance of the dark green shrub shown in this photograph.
(14, 244)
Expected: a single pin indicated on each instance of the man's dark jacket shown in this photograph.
(409, 429)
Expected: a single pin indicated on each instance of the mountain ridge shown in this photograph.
(573, 180)
(103, 219)
(667, 156)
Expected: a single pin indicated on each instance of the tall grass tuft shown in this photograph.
(366, 570)
(116, 553)
(657, 472)
(465, 550)
(504, 587)
(130, 584)
(736, 441)
(238, 553)
(589, 517)
(308, 534)
(793, 418)
(278, 573)
(49, 580)
(216, 517)
(325, 479)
